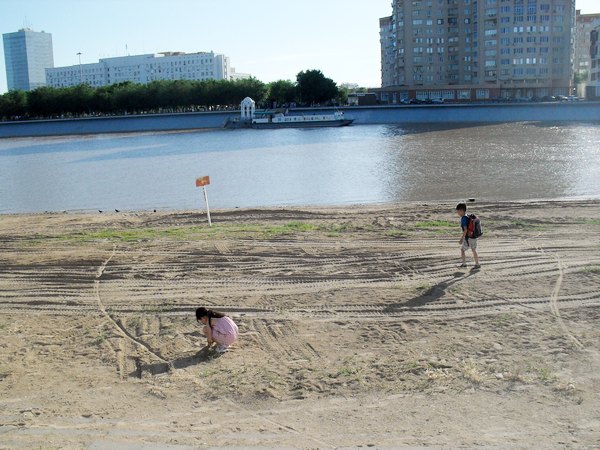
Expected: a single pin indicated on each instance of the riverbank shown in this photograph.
(357, 328)
(365, 115)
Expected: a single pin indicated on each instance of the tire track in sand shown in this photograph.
(117, 323)
(554, 304)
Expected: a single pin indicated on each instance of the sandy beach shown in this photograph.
(357, 328)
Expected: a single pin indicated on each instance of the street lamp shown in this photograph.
(80, 70)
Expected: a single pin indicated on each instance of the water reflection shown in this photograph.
(496, 162)
(357, 164)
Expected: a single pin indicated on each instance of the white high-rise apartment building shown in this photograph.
(584, 25)
(27, 54)
(477, 49)
(594, 88)
(142, 69)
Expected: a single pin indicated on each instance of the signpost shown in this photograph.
(203, 182)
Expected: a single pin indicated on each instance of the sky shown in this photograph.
(269, 39)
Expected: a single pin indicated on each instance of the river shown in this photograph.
(359, 164)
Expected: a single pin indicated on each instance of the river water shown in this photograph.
(328, 166)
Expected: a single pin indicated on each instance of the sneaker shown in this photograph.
(463, 265)
(222, 348)
(477, 266)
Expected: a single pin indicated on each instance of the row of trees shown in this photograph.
(311, 87)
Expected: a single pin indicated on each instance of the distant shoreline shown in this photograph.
(216, 212)
(363, 115)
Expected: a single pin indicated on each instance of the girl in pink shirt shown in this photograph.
(217, 328)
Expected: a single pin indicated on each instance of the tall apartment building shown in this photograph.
(27, 54)
(584, 25)
(142, 69)
(477, 49)
(593, 90)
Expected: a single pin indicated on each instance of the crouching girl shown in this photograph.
(217, 328)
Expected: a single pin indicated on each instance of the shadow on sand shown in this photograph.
(433, 293)
(205, 354)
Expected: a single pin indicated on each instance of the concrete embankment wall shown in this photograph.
(521, 112)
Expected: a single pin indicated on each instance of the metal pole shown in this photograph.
(207, 208)
(80, 71)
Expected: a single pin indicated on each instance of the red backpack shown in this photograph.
(474, 229)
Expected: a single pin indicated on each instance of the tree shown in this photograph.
(76, 99)
(249, 87)
(43, 102)
(343, 95)
(282, 91)
(14, 104)
(314, 87)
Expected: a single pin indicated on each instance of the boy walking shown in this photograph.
(466, 241)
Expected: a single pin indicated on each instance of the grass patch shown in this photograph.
(591, 269)
(350, 368)
(589, 221)
(545, 375)
(347, 371)
(192, 233)
(473, 373)
(100, 338)
(396, 232)
(434, 224)
(529, 226)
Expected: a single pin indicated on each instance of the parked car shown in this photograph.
(549, 98)
(437, 101)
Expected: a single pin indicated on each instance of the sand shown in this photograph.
(357, 328)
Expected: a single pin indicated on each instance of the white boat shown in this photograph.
(279, 118)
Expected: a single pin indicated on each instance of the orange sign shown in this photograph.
(202, 181)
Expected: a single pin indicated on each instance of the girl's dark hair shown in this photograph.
(203, 312)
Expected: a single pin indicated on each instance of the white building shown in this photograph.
(477, 49)
(594, 88)
(27, 54)
(585, 24)
(142, 69)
